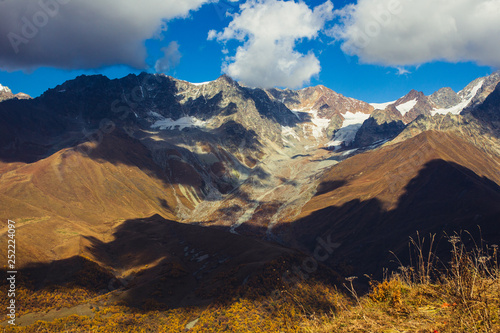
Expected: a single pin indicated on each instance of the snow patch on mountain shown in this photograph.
(381, 106)
(349, 152)
(318, 126)
(406, 107)
(288, 131)
(354, 118)
(321, 124)
(201, 83)
(347, 133)
(169, 124)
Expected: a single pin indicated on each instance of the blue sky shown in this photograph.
(316, 44)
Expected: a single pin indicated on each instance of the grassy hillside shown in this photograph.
(428, 297)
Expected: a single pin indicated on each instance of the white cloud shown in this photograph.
(408, 32)
(171, 58)
(269, 31)
(402, 71)
(82, 34)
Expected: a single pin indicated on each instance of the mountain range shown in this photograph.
(149, 177)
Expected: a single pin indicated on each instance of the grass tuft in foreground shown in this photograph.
(462, 295)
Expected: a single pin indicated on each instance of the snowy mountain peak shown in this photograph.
(6, 93)
(5, 89)
(409, 106)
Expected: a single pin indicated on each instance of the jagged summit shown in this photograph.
(445, 98)
(226, 78)
(4, 89)
(6, 94)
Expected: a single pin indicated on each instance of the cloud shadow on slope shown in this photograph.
(443, 198)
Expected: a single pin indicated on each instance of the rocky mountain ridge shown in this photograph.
(390, 119)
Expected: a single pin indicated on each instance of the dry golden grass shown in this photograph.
(464, 296)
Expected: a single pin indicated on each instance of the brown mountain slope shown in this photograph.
(478, 132)
(57, 200)
(176, 264)
(372, 203)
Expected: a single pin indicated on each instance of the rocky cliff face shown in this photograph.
(445, 98)
(414, 104)
(488, 112)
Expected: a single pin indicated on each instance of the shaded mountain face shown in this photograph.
(372, 203)
(488, 112)
(88, 106)
(382, 125)
(180, 264)
(386, 124)
(75, 111)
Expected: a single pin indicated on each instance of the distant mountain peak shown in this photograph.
(227, 79)
(412, 95)
(445, 98)
(4, 89)
(6, 93)
(445, 90)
